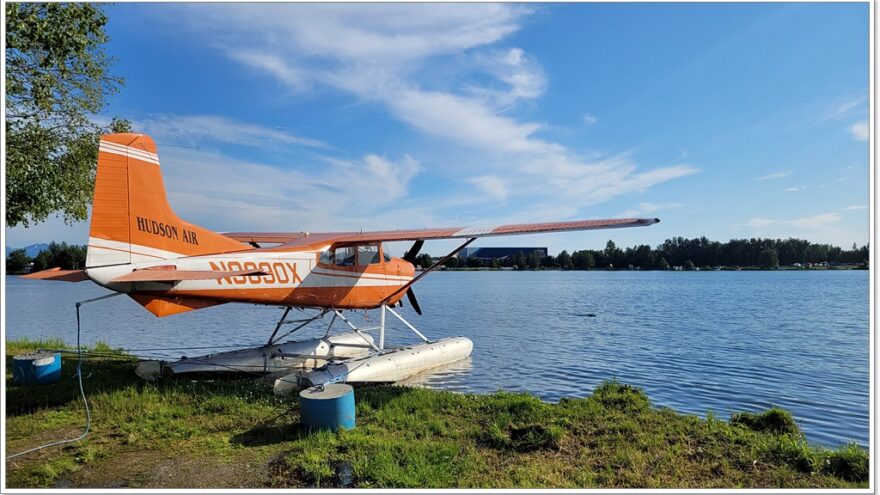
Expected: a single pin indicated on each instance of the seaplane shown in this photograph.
(139, 247)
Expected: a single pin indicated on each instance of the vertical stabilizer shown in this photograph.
(132, 221)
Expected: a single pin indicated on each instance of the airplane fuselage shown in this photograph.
(291, 278)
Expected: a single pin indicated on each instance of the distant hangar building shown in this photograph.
(488, 253)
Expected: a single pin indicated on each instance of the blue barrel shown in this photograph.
(36, 368)
(328, 408)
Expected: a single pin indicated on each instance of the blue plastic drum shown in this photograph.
(328, 408)
(36, 368)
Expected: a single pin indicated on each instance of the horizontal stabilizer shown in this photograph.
(164, 275)
(58, 274)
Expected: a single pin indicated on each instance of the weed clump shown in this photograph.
(527, 438)
(849, 462)
(775, 420)
(792, 451)
(626, 398)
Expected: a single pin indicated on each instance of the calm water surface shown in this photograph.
(695, 341)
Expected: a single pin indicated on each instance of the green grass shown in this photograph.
(238, 434)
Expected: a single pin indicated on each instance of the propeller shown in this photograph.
(410, 257)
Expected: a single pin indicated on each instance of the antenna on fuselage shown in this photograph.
(301, 221)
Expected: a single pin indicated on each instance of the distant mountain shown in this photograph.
(32, 250)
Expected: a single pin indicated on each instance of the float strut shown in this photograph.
(278, 326)
(382, 327)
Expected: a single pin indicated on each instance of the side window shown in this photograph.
(385, 254)
(344, 256)
(326, 257)
(368, 255)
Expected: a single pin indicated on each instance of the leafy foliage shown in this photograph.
(768, 258)
(56, 83)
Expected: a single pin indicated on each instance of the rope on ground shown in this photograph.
(79, 379)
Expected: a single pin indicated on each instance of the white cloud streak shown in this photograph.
(380, 52)
(859, 131)
(646, 207)
(844, 107)
(806, 223)
(228, 194)
(196, 128)
(775, 175)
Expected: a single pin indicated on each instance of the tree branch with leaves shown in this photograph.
(57, 83)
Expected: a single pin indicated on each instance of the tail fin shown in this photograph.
(131, 219)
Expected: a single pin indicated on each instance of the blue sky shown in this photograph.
(723, 120)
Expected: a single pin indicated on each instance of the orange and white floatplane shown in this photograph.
(139, 247)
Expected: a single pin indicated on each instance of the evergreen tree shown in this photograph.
(17, 262)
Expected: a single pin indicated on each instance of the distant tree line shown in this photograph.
(63, 255)
(680, 252)
(676, 252)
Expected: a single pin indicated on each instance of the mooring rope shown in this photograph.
(79, 378)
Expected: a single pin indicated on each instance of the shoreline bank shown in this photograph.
(238, 434)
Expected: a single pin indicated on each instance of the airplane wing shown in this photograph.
(342, 238)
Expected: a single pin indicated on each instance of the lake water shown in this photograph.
(694, 341)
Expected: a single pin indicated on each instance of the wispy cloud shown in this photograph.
(805, 223)
(590, 119)
(845, 107)
(196, 128)
(792, 189)
(856, 207)
(230, 194)
(521, 76)
(380, 53)
(775, 175)
(859, 131)
(490, 184)
(646, 207)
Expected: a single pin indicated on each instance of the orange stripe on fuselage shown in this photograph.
(336, 297)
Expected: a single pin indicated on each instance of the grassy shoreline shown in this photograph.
(238, 434)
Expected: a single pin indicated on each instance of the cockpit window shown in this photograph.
(344, 256)
(368, 255)
(326, 257)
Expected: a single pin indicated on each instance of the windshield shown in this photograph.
(363, 255)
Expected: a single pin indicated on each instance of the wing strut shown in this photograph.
(428, 270)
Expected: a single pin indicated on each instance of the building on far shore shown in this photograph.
(489, 253)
